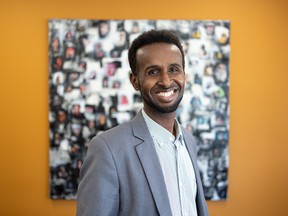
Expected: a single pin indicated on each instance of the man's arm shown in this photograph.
(98, 191)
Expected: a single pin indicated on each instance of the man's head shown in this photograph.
(157, 63)
(150, 37)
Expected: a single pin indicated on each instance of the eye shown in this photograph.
(153, 72)
(174, 69)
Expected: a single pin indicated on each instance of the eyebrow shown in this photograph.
(175, 65)
(157, 66)
(151, 67)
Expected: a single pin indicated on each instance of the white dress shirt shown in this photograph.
(176, 166)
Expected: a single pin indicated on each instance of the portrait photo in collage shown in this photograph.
(90, 92)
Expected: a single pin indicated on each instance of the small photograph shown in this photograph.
(103, 28)
(221, 73)
(221, 136)
(111, 68)
(57, 63)
(125, 101)
(90, 92)
(70, 54)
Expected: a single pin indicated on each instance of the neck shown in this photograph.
(166, 120)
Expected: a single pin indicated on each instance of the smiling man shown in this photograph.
(146, 166)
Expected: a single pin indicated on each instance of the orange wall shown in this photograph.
(258, 175)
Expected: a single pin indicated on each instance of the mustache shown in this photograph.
(166, 88)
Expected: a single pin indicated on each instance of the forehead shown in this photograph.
(158, 46)
(159, 52)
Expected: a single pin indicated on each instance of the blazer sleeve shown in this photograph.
(98, 191)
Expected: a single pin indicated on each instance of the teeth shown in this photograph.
(165, 94)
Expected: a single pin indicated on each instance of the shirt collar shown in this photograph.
(160, 134)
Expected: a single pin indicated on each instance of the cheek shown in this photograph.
(147, 84)
(180, 79)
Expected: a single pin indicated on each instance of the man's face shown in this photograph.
(160, 77)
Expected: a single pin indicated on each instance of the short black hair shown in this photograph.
(150, 37)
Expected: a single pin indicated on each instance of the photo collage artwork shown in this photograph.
(90, 92)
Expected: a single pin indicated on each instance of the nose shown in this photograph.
(164, 79)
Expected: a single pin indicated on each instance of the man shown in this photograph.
(146, 166)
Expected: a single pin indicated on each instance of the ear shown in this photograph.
(134, 81)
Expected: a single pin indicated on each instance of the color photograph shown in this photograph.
(90, 92)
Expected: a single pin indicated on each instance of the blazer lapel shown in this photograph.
(200, 200)
(151, 166)
(192, 154)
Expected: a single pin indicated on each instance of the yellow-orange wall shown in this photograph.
(258, 175)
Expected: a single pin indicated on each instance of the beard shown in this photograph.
(162, 109)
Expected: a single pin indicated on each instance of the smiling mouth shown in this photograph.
(165, 94)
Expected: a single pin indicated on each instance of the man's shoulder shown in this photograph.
(123, 128)
(114, 138)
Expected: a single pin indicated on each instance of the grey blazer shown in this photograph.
(121, 174)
